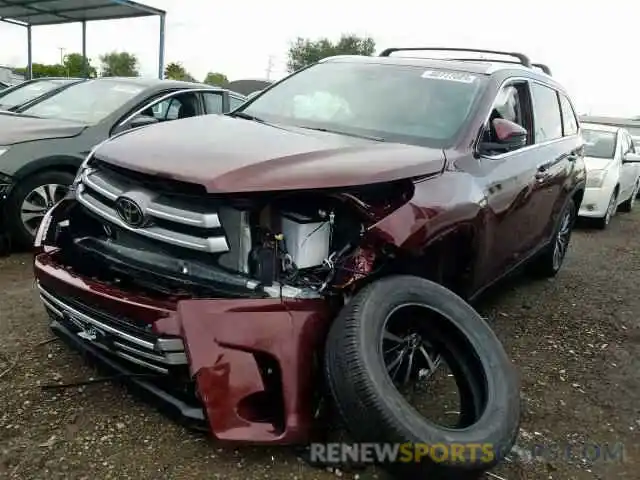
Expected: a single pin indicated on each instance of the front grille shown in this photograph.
(115, 336)
(175, 220)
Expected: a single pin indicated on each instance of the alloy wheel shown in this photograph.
(408, 356)
(38, 202)
(610, 208)
(562, 239)
(634, 194)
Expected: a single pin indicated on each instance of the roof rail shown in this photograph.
(542, 67)
(522, 59)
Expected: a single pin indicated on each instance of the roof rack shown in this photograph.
(542, 67)
(522, 59)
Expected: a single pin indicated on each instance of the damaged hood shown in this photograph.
(226, 154)
(15, 128)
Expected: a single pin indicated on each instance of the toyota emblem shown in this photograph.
(130, 212)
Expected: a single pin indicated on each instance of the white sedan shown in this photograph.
(613, 172)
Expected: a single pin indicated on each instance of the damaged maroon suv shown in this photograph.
(316, 244)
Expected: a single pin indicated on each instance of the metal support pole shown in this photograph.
(29, 54)
(161, 47)
(85, 63)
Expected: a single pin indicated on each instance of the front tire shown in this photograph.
(366, 388)
(30, 200)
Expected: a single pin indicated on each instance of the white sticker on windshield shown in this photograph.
(451, 76)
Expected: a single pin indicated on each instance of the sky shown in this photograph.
(588, 46)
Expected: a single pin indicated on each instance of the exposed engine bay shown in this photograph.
(295, 244)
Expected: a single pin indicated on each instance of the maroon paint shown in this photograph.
(276, 158)
(220, 336)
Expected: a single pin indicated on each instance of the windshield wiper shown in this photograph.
(246, 116)
(348, 134)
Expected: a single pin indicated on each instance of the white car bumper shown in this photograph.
(595, 202)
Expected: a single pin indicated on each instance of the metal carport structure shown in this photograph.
(33, 13)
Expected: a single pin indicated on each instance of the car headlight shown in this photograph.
(595, 178)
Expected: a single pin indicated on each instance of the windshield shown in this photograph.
(28, 91)
(86, 102)
(599, 143)
(397, 103)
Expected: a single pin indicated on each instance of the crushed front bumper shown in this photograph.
(248, 368)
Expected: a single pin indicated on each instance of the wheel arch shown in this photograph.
(64, 163)
(448, 259)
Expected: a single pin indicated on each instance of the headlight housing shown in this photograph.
(595, 178)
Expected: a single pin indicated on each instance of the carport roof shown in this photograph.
(55, 12)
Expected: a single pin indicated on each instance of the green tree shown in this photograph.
(216, 79)
(119, 64)
(175, 71)
(43, 70)
(304, 52)
(74, 66)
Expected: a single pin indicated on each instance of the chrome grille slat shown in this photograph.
(98, 189)
(163, 351)
(210, 244)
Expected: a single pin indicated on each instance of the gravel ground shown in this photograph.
(575, 341)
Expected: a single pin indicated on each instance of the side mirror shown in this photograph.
(631, 158)
(509, 136)
(135, 122)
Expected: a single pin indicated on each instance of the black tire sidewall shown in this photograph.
(395, 417)
(18, 233)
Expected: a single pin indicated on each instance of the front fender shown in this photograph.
(48, 163)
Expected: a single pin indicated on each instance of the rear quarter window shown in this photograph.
(569, 121)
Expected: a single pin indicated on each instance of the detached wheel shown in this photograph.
(385, 356)
(627, 205)
(31, 199)
(550, 260)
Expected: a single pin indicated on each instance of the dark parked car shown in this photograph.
(30, 91)
(338, 211)
(42, 147)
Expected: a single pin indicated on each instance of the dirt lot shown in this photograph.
(575, 341)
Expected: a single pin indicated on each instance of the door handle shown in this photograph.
(541, 173)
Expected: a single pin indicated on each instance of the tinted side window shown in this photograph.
(568, 117)
(213, 102)
(511, 103)
(509, 106)
(546, 110)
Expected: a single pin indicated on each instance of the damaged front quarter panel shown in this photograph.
(255, 363)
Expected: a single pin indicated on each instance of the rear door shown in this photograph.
(557, 147)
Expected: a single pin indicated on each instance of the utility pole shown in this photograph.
(62, 50)
(269, 67)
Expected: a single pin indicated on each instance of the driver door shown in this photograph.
(628, 171)
(509, 185)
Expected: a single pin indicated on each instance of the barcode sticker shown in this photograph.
(450, 76)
